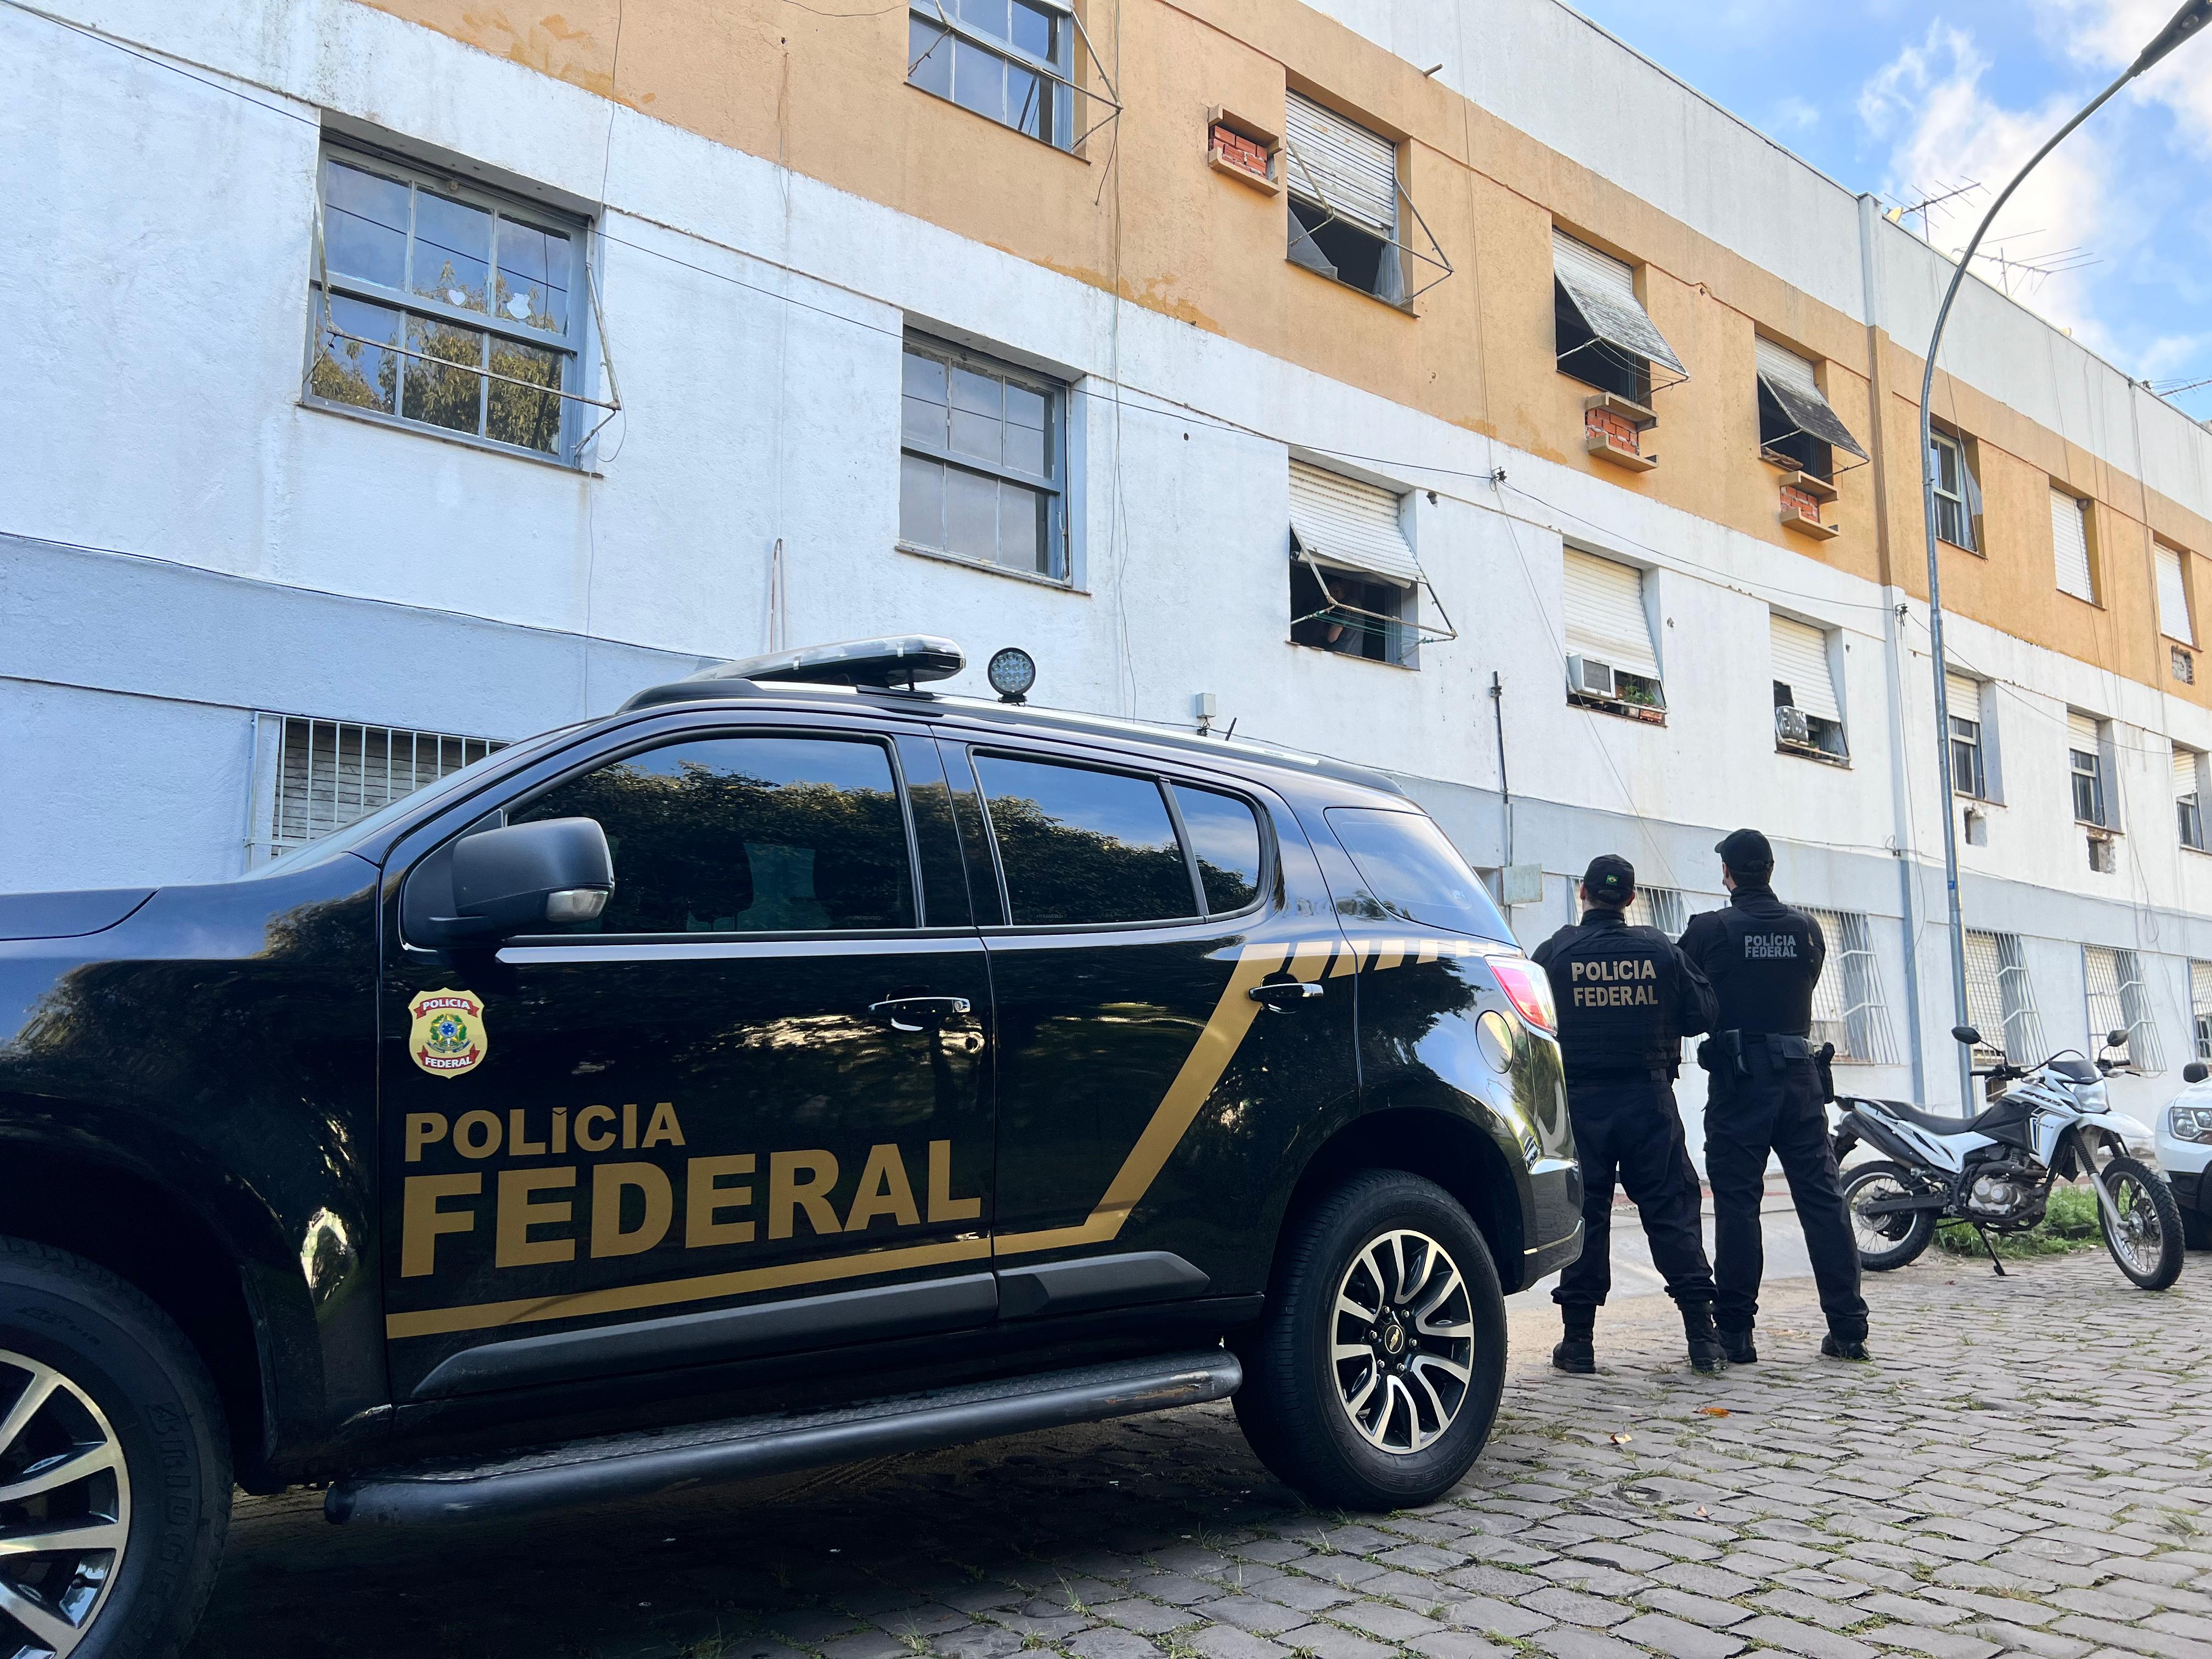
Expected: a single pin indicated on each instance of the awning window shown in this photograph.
(1603, 292)
(1801, 662)
(1350, 526)
(2069, 541)
(1788, 378)
(1341, 167)
(1605, 615)
(2174, 597)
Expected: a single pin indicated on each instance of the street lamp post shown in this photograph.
(2192, 17)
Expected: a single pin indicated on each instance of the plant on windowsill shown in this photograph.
(1812, 751)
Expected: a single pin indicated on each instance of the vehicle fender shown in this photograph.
(2129, 1137)
(1887, 1137)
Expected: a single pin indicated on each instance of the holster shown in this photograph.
(1721, 1054)
(1824, 1067)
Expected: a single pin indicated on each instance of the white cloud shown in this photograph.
(1795, 114)
(2106, 35)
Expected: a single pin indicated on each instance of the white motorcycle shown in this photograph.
(1995, 1171)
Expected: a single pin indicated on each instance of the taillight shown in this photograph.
(1530, 989)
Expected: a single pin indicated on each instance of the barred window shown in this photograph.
(322, 775)
(1658, 907)
(2001, 999)
(1848, 1009)
(2200, 1006)
(2117, 1002)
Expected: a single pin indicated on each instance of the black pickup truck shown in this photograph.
(794, 1067)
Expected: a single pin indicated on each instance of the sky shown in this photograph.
(1911, 101)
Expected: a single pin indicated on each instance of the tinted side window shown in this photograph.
(1079, 846)
(747, 835)
(1414, 871)
(1226, 838)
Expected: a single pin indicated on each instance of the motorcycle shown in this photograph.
(1996, 1170)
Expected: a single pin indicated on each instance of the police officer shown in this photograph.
(1767, 1093)
(1627, 997)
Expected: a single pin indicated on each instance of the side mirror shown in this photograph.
(1967, 1034)
(2115, 1039)
(525, 877)
(2195, 1072)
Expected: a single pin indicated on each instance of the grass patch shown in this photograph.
(2069, 1225)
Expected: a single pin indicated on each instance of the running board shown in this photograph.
(653, 1462)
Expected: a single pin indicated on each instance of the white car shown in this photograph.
(2184, 1147)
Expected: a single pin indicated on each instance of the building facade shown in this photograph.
(400, 378)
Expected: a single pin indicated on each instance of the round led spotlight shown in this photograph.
(1012, 671)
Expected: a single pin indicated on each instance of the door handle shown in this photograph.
(918, 1014)
(1283, 992)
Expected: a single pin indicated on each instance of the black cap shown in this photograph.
(1610, 880)
(1745, 852)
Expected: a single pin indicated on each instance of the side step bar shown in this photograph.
(651, 1462)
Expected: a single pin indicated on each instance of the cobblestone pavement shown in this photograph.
(2022, 1470)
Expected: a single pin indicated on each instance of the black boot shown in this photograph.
(1844, 1345)
(1707, 1352)
(1738, 1347)
(1576, 1351)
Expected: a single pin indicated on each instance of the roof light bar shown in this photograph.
(901, 659)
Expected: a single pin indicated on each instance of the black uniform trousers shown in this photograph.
(1626, 1129)
(1777, 1109)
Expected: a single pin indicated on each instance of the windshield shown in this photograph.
(361, 831)
(1413, 873)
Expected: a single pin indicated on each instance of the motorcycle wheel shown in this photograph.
(2147, 1245)
(1885, 1241)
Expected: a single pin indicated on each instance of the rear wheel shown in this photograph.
(1373, 1378)
(114, 1465)
(1885, 1241)
(2146, 1240)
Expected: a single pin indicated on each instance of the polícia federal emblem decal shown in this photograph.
(447, 1036)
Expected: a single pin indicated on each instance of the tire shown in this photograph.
(1409, 1435)
(1886, 1242)
(2150, 1252)
(119, 1383)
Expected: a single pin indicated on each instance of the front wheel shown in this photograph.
(2146, 1242)
(1885, 1241)
(1374, 1376)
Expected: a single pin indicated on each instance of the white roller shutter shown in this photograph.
(2069, 538)
(2081, 731)
(1603, 289)
(1353, 526)
(1801, 662)
(1965, 696)
(2173, 597)
(1341, 166)
(2185, 781)
(1605, 613)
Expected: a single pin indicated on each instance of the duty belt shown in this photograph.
(1777, 1046)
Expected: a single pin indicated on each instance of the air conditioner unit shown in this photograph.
(1791, 726)
(1589, 676)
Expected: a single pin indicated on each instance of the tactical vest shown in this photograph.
(1619, 997)
(1764, 959)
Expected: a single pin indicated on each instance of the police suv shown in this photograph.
(794, 1067)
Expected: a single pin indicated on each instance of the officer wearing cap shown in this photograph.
(1627, 997)
(1767, 1094)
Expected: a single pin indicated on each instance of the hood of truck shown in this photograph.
(68, 915)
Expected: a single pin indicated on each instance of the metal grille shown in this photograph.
(2200, 1006)
(2001, 998)
(1658, 907)
(1848, 1009)
(2117, 1001)
(332, 772)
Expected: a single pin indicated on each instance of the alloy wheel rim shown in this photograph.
(2139, 1237)
(1879, 1233)
(65, 1509)
(1402, 1341)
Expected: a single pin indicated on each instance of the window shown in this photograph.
(1658, 907)
(2086, 756)
(1970, 772)
(447, 306)
(1808, 720)
(1610, 659)
(2189, 795)
(1011, 60)
(746, 835)
(982, 467)
(1348, 209)
(1353, 574)
(1603, 335)
(2001, 999)
(1079, 846)
(1413, 873)
(1848, 1009)
(320, 776)
(1957, 496)
(2069, 539)
(2117, 1002)
(2174, 595)
(1797, 426)
(2200, 1006)
(1224, 841)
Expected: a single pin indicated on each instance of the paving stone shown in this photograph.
(1706, 1580)
(1330, 1643)
(1496, 1618)
(1110, 1643)
(1381, 1618)
(1227, 1642)
(1698, 1610)
(870, 1645)
(1565, 1642)
(1295, 1591)
(1941, 1644)
(1138, 1615)
(1574, 1607)
(993, 1642)
(1810, 1640)
(1680, 1639)
(1456, 1644)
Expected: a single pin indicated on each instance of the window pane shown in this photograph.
(979, 80)
(1225, 836)
(923, 377)
(365, 225)
(1082, 847)
(976, 435)
(971, 514)
(922, 502)
(982, 394)
(747, 835)
(985, 16)
(533, 276)
(929, 49)
(1032, 31)
(1023, 535)
(531, 419)
(452, 251)
(1413, 873)
(922, 421)
(349, 372)
(1025, 100)
(444, 397)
